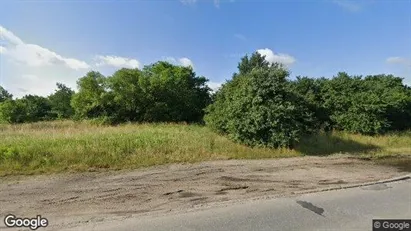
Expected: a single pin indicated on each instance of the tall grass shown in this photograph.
(80, 146)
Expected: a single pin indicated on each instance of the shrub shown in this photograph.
(258, 108)
(371, 105)
(160, 92)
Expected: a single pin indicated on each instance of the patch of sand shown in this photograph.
(69, 199)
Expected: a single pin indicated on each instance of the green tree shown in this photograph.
(13, 111)
(127, 94)
(394, 99)
(372, 105)
(92, 100)
(60, 102)
(37, 108)
(174, 93)
(4, 95)
(311, 90)
(257, 106)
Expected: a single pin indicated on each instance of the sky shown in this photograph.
(44, 42)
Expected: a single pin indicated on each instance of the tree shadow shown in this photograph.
(323, 144)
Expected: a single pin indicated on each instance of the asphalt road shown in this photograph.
(348, 209)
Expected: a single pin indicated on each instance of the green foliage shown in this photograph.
(370, 105)
(91, 100)
(4, 95)
(311, 90)
(10, 153)
(127, 95)
(174, 93)
(161, 92)
(60, 102)
(30, 108)
(258, 108)
(37, 108)
(13, 111)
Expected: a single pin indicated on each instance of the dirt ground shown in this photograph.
(67, 200)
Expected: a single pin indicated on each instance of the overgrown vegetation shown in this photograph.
(79, 146)
(371, 105)
(45, 147)
(260, 106)
(159, 93)
(257, 108)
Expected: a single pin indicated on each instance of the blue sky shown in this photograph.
(44, 42)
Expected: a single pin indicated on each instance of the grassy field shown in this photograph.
(80, 146)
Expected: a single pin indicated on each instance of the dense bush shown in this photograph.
(258, 108)
(174, 93)
(92, 99)
(161, 92)
(60, 102)
(4, 95)
(30, 108)
(370, 105)
(12, 111)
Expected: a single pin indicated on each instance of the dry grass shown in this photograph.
(80, 146)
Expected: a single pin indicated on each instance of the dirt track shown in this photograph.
(69, 199)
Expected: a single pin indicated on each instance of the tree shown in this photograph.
(92, 99)
(30, 108)
(4, 95)
(127, 94)
(174, 93)
(13, 111)
(257, 106)
(161, 92)
(37, 108)
(372, 105)
(60, 102)
(394, 100)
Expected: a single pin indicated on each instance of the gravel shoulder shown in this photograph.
(67, 200)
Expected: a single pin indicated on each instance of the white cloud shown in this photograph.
(185, 62)
(271, 57)
(9, 36)
(349, 5)
(2, 50)
(37, 80)
(45, 67)
(399, 60)
(214, 85)
(23, 90)
(30, 77)
(34, 55)
(117, 61)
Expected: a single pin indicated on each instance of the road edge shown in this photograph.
(297, 193)
(399, 178)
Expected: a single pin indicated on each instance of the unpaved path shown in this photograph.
(69, 199)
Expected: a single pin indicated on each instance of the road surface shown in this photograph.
(348, 209)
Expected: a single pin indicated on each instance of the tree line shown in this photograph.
(160, 92)
(258, 106)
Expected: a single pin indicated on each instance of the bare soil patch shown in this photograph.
(70, 199)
